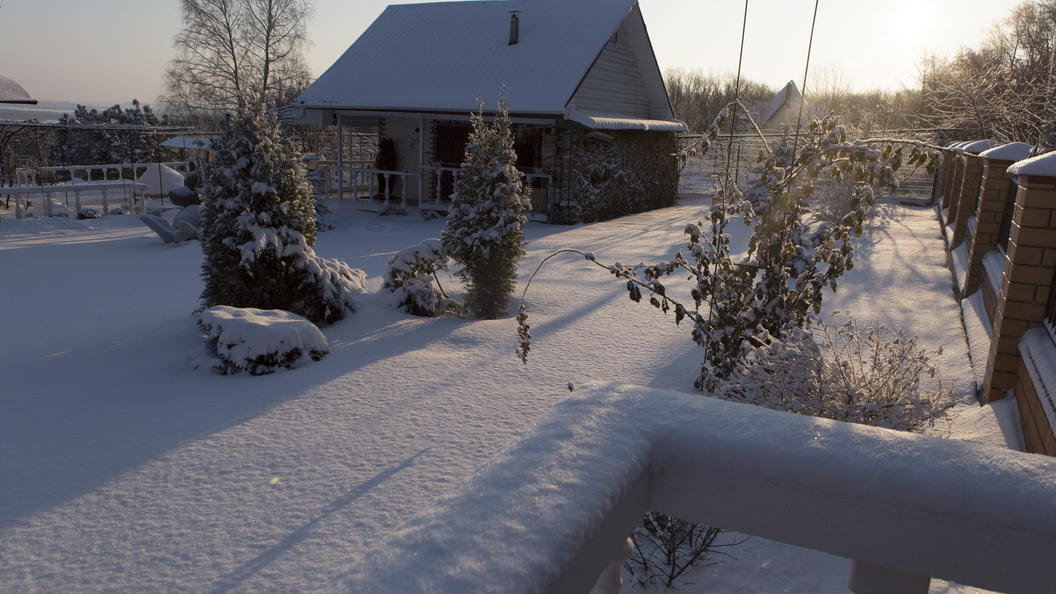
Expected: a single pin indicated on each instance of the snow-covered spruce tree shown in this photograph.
(258, 227)
(484, 227)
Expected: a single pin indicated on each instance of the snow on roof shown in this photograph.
(601, 122)
(12, 92)
(1013, 151)
(978, 146)
(789, 94)
(1044, 165)
(441, 56)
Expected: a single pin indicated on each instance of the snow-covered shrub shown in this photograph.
(833, 201)
(257, 228)
(392, 211)
(257, 341)
(89, 213)
(410, 275)
(738, 303)
(117, 210)
(666, 547)
(485, 225)
(844, 373)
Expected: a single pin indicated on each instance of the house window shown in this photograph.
(451, 142)
(1006, 219)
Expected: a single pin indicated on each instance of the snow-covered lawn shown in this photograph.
(125, 471)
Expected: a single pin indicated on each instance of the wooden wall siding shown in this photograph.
(990, 208)
(614, 85)
(1026, 281)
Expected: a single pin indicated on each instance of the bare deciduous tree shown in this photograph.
(1001, 90)
(232, 54)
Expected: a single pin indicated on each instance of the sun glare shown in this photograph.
(911, 22)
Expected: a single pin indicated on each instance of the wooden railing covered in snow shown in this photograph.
(552, 513)
(127, 190)
(27, 176)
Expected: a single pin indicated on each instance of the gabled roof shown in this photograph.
(790, 95)
(12, 92)
(439, 57)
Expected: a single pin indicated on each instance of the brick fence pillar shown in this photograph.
(1027, 274)
(951, 179)
(990, 207)
(965, 192)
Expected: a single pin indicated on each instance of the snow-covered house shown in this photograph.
(784, 109)
(595, 129)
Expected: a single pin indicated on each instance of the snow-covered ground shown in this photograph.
(125, 471)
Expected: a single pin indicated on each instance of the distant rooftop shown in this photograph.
(12, 92)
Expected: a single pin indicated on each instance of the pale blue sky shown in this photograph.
(104, 53)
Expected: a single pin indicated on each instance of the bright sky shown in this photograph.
(81, 51)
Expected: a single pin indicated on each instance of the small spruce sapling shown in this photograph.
(410, 275)
(258, 226)
(485, 225)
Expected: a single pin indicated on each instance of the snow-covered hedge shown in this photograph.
(257, 341)
(410, 275)
(633, 173)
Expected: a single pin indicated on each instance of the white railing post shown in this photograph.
(439, 175)
(610, 581)
(355, 186)
(106, 204)
(388, 187)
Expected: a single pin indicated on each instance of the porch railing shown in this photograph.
(26, 176)
(438, 170)
(552, 513)
(128, 191)
(330, 178)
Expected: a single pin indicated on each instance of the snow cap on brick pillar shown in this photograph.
(993, 200)
(963, 208)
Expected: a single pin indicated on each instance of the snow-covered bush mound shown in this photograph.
(258, 341)
(410, 275)
(844, 373)
(89, 213)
